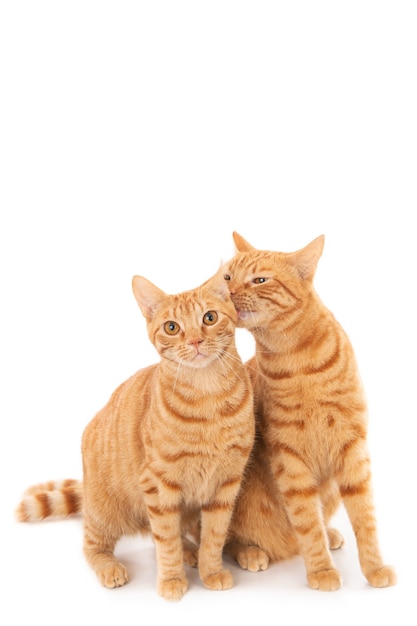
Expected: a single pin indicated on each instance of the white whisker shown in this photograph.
(224, 356)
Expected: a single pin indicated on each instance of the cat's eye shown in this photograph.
(210, 318)
(171, 328)
(259, 281)
(227, 277)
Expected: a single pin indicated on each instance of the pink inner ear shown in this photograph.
(147, 295)
(306, 259)
(217, 286)
(222, 290)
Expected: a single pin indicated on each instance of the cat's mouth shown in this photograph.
(199, 355)
(200, 360)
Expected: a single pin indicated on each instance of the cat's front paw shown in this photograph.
(172, 588)
(336, 539)
(252, 558)
(325, 580)
(114, 575)
(383, 577)
(219, 580)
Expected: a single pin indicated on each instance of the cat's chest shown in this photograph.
(198, 475)
(200, 481)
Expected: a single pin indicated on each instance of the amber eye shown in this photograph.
(227, 277)
(210, 318)
(259, 281)
(171, 328)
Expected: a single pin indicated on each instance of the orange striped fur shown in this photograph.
(168, 452)
(50, 500)
(311, 413)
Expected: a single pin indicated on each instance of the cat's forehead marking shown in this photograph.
(253, 264)
(188, 304)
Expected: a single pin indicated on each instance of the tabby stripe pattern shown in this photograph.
(50, 500)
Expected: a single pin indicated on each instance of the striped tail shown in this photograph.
(54, 499)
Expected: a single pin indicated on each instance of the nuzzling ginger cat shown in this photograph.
(311, 414)
(169, 448)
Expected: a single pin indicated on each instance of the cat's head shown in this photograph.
(194, 327)
(264, 284)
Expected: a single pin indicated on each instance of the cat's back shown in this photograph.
(125, 409)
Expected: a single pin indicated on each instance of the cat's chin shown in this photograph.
(199, 361)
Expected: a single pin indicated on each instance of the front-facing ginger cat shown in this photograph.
(170, 446)
(311, 413)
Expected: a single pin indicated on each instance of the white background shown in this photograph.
(135, 137)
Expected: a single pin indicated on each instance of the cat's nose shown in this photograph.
(195, 341)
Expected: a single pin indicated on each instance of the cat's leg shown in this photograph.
(303, 504)
(98, 549)
(260, 532)
(166, 532)
(330, 498)
(356, 491)
(163, 503)
(215, 521)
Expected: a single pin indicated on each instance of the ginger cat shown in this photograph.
(169, 448)
(311, 414)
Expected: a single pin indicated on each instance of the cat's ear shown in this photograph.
(241, 244)
(305, 260)
(147, 295)
(217, 286)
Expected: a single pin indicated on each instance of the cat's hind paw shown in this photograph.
(172, 588)
(383, 577)
(113, 575)
(190, 553)
(252, 558)
(219, 580)
(325, 580)
(336, 539)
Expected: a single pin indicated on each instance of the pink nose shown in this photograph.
(195, 342)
